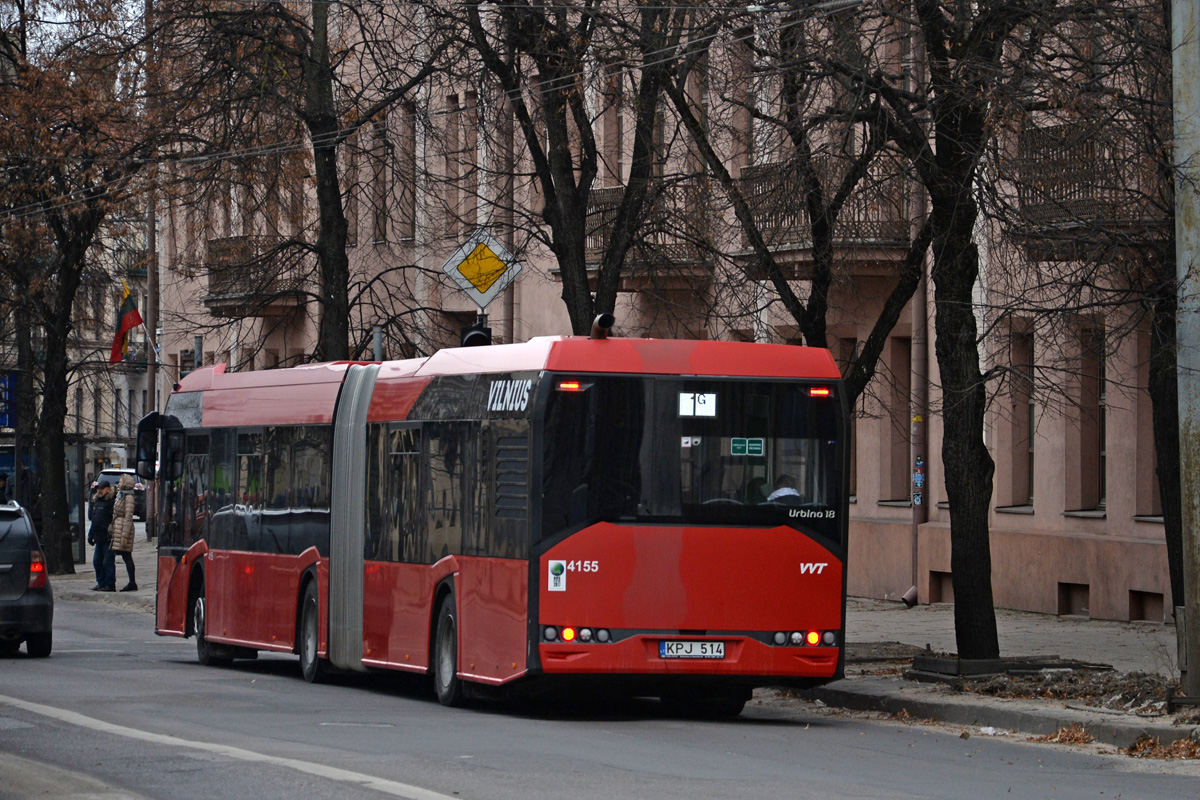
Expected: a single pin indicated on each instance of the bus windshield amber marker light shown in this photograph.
(570, 386)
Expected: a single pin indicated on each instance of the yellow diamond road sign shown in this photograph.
(482, 268)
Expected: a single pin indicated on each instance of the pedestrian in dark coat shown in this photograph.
(101, 512)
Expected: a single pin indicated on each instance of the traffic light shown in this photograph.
(476, 335)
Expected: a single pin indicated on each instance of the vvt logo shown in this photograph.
(815, 569)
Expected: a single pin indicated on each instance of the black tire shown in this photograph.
(9, 647)
(38, 645)
(206, 652)
(312, 666)
(446, 685)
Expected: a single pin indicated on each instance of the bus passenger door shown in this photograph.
(171, 598)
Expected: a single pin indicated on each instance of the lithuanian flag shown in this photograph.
(128, 318)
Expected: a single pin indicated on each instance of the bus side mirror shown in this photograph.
(147, 445)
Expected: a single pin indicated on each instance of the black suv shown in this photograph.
(26, 602)
(113, 476)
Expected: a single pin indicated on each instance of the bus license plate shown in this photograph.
(675, 649)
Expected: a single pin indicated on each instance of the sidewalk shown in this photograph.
(875, 677)
(882, 638)
(145, 561)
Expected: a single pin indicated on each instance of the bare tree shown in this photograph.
(301, 79)
(73, 139)
(1082, 180)
(557, 68)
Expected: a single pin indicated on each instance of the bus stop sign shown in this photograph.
(482, 268)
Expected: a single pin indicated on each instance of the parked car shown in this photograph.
(26, 601)
(113, 475)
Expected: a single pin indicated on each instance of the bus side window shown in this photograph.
(310, 490)
(445, 495)
(195, 488)
(220, 489)
(378, 488)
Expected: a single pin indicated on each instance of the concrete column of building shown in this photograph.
(1185, 15)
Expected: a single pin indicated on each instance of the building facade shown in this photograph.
(1076, 524)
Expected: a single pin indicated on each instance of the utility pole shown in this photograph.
(1185, 48)
(151, 320)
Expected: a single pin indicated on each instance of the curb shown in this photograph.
(1021, 716)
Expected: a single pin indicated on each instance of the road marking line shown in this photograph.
(394, 788)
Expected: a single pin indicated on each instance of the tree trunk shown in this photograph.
(51, 451)
(964, 401)
(1164, 399)
(333, 334)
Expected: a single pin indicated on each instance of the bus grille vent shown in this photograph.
(512, 477)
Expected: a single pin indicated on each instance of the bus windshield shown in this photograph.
(691, 451)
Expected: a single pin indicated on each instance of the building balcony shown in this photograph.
(872, 231)
(670, 248)
(131, 262)
(249, 276)
(1076, 189)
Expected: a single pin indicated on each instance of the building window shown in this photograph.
(1022, 413)
(79, 409)
(1090, 489)
(847, 353)
(612, 126)
(352, 157)
(896, 482)
(96, 406)
(380, 156)
(406, 169)
(1149, 499)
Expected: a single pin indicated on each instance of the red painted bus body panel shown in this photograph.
(396, 614)
(692, 579)
(171, 599)
(493, 604)
(393, 397)
(253, 598)
(690, 357)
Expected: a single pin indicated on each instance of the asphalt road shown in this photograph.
(117, 712)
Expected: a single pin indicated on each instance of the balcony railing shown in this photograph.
(671, 231)
(248, 276)
(876, 213)
(1068, 177)
(132, 262)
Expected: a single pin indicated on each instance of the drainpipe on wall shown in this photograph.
(919, 411)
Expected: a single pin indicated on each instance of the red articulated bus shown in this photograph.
(662, 518)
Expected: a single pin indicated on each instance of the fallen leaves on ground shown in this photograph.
(1133, 692)
(1076, 734)
(1151, 747)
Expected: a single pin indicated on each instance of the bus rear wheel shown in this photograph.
(446, 684)
(206, 651)
(311, 665)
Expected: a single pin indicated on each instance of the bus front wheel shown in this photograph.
(445, 655)
(206, 652)
(311, 666)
